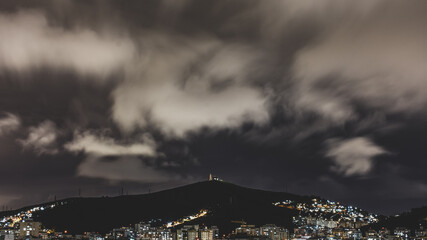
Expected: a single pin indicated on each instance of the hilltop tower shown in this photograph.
(210, 177)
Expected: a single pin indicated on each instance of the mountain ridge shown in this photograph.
(225, 204)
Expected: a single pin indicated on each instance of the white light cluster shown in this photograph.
(325, 211)
(25, 215)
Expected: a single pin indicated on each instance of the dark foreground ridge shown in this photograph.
(224, 201)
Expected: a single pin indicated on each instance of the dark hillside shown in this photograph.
(225, 202)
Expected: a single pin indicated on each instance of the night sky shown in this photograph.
(312, 97)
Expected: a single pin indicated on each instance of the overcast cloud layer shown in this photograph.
(325, 97)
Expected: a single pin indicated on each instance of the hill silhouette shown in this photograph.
(226, 202)
(412, 220)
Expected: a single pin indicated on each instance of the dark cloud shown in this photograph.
(315, 97)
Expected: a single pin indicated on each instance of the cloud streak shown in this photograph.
(92, 144)
(9, 123)
(42, 138)
(374, 59)
(353, 156)
(199, 88)
(105, 158)
(28, 42)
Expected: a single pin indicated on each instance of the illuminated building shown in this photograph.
(215, 231)
(372, 235)
(206, 234)
(274, 233)
(269, 231)
(183, 233)
(420, 233)
(123, 233)
(192, 234)
(214, 178)
(249, 230)
(402, 232)
(146, 231)
(29, 229)
(7, 234)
